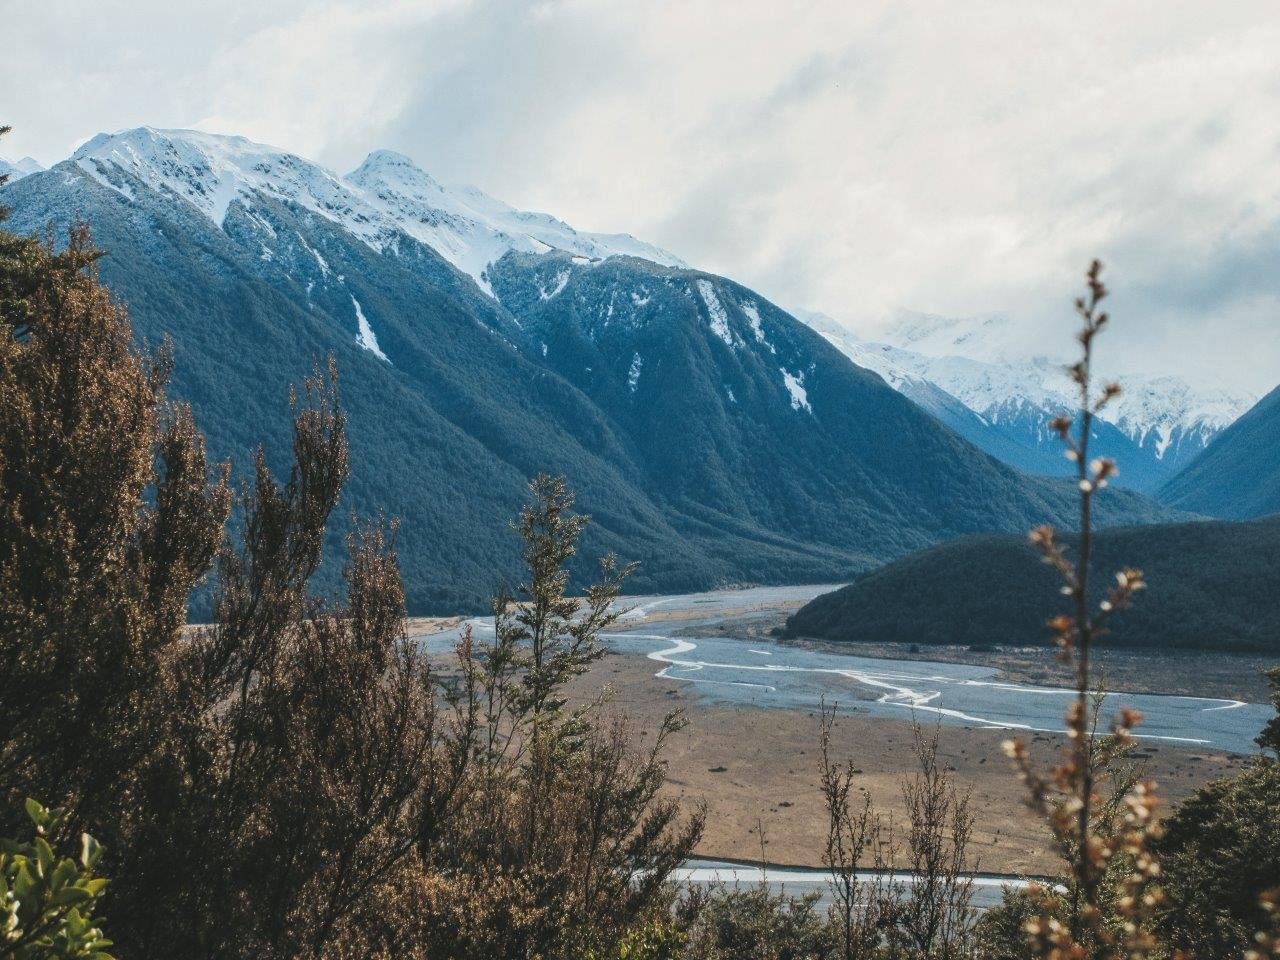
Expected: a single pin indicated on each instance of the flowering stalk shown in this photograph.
(1068, 796)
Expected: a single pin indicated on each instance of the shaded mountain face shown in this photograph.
(727, 401)
(711, 436)
(1211, 585)
(1238, 475)
(973, 376)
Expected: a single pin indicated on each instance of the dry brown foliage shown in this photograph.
(108, 519)
(1112, 894)
(294, 780)
(859, 840)
(937, 915)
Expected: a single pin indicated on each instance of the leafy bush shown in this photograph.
(47, 902)
(342, 795)
(755, 923)
(1219, 854)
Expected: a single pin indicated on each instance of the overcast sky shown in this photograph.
(850, 157)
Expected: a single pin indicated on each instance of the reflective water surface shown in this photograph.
(763, 673)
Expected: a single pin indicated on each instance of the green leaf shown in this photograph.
(63, 874)
(23, 882)
(38, 814)
(44, 854)
(90, 850)
(69, 895)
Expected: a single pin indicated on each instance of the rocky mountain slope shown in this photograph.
(711, 435)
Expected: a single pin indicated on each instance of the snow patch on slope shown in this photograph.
(795, 387)
(753, 317)
(367, 338)
(562, 280)
(321, 262)
(715, 311)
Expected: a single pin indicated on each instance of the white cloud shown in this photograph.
(852, 158)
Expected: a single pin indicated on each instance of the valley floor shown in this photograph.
(758, 770)
(757, 767)
(1187, 673)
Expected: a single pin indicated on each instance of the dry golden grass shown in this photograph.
(762, 766)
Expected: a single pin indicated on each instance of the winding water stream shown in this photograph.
(768, 674)
(763, 673)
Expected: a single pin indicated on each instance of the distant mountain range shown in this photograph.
(711, 435)
(17, 169)
(1211, 585)
(1238, 475)
(970, 374)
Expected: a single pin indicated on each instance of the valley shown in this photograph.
(750, 749)
(823, 504)
(711, 435)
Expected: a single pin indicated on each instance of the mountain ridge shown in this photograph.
(765, 457)
(1237, 477)
(1154, 429)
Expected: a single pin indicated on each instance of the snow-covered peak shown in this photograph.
(391, 169)
(388, 192)
(211, 171)
(17, 169)
(988, 361)
(1152, 411)
(472, 229)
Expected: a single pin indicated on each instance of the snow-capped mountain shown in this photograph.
(934, 360)
(471, 229)
(1155, 427)
(711, 436)
(1164, 414)
(17, 169)
(1238, 476)
(385, 195)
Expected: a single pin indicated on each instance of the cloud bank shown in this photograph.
(855, 159)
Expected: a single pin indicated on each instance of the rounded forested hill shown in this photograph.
(1212, 585)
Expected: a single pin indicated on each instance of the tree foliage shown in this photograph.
(1219, 854)
(1212, 587)
(48, 902)
(108, 519)
(298, 777)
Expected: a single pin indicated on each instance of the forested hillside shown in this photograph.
(712, 437)
(1238, 475)
(1211, 585)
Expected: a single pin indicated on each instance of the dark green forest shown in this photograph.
(1211, 586)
